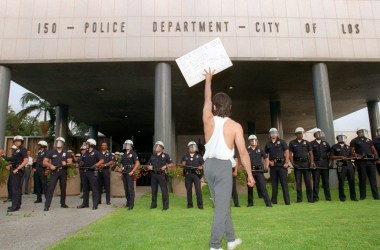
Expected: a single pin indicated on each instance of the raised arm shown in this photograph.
(207, 107)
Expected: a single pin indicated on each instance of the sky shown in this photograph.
(347, 123)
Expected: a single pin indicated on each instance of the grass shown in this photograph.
(322, 225)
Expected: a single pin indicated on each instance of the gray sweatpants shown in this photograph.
(219, 180)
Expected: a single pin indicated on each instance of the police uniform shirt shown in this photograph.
(56, 157)
(129, 158)
(158, 161)
(376, 143)
(40, 157)
(340, 150)
(276, 149)
(194, 161)
(256, 155)
(320, 150)
(107, 157)
(91, 158)
(300, 148)
(362, 145)
(19, 155)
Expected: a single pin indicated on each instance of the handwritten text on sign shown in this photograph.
(210, 55)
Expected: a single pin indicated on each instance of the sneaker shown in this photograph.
(233, 244)
(216, 248)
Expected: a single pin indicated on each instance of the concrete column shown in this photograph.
(173, 153)
(5, 83)
(163, 106)
(93, 133)
(374, 117)
(323, 109)
(61, 123)
(275, 117)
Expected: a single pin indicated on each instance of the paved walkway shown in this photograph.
(32, 228)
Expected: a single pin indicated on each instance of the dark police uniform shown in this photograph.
(128, 161)
(16, 159)
(276, 151)
(104, 178)
(40, 177)
(362, 147)
(376, 144)
(90, 177)
(344, 168)
(257, 155)
(300, 150)
(321, 150)
(158, 177)
(192, 176)
(60, 173)
(234, 193)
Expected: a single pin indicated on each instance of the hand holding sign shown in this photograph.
(210, 55)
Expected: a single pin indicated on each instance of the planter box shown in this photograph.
(241, 188)
(117, 187)
(3, 190)
(178, 185)
(72, 186)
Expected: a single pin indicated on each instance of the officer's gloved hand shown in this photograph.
(93, 167)
(81, 163)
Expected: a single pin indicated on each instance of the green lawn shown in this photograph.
(322, 225)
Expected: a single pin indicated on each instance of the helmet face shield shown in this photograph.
(253, 142)
(193, 148)
(362, 133)
(127, 146)
(341, 138)
(273, 134)
(158, 148)
(319, 134)
(59, 144)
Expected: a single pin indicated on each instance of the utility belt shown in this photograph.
(258, 167)
(125, 168)
(57, 169)
(301, 159)
(87, 169)
(278, 160)
(159, 171)
(320, 158)
(367, 157)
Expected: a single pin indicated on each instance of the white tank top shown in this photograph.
(216, 147)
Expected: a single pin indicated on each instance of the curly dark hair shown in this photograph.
(222, 103)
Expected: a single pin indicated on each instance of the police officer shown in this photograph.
(158, 164)
(234, 193)
(104, 176)
(321, 151)
(83, 150)
(363, 148)
(257, 155)
(129, 163)
(56, 161)
(193, 175)
(278, 152)
(376, 144)
(9, 167)
(41, 172)
(301, 157)
(18, 159)
(92, 160)
(341, 152)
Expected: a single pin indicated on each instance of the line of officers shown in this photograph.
(310, 160)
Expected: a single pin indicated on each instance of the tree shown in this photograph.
(17, 126)
(33, 103)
